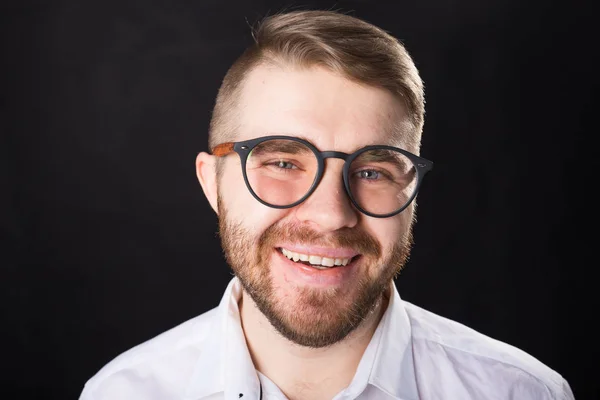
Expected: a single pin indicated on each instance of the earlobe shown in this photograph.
(207, 176)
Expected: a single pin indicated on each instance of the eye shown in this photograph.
(284, 164)
(368, 174)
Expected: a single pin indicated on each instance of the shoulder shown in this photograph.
(471, 362)
(159, 365)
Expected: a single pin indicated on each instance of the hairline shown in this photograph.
(401, 132)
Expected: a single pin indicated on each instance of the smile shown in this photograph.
(314, 260)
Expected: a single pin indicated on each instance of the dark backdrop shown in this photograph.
(107, 239)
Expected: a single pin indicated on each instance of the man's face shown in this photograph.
(313, 307)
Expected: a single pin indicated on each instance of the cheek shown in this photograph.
(232, 190)
(242, 206)
(388, 231)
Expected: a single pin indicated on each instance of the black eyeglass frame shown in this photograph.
(243, 149)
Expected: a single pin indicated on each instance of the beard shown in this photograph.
(311, 317)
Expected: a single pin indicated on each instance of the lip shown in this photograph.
(300, 274)
(320, 251)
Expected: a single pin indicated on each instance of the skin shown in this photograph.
(308, 355)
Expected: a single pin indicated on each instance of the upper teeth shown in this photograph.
(315, 260)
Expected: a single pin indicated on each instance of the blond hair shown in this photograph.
(346, 45)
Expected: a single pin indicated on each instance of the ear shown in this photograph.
(207, 176)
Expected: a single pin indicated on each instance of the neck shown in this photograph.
(302, 372)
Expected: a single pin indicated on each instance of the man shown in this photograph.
(313, 172)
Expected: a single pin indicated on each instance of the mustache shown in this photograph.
(354, 238)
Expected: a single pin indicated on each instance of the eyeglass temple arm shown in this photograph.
(223, 149)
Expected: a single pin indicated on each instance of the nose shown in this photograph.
(328, 208)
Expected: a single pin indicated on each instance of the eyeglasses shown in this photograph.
(283, 171)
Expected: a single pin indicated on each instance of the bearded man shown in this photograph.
(313, 171)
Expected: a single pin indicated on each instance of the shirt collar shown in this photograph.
(393, 369)
(225, 364)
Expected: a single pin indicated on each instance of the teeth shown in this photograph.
(317, 261)
(328, 262)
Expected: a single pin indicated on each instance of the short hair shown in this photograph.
(351, 47)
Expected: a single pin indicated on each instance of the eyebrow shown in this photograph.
(383, 155)
(396, 133)
(282, 145)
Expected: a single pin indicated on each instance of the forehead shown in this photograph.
(327, 109)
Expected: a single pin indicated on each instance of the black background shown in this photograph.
(107, 239)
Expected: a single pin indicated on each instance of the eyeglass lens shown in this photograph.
(281, 172)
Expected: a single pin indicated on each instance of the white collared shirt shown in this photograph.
(413, 355)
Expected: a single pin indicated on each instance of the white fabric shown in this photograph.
(414, 354)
